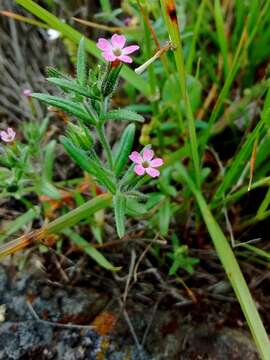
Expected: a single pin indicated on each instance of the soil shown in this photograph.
(42, 319)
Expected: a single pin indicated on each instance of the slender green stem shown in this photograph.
(241, 192)
(151, 74)
(221, 35)
(256, 250)
(105, 144)
(170, 15)
(196, 32)
(153, 83)
(232, 269)
(254, 220)
(264, 205)
(106, 6)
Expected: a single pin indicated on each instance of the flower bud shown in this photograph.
(110, 80)
(80, 136)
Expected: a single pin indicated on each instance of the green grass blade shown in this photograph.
(232, 270)
(222, 40)
(80, 213)
(46, 186)
(243, 156)
(225, 90)
(138, 82)
(265, 182)
(170, 16)
(241, 51)
(196, 32)
(17, 224)
(264, 204)
(106, 6)
(254, 11)
(239, 10)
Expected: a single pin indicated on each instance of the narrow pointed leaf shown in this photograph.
(90, 250)
(89, 165)
(124, 149)
(67, 105)
(54, 73)
(123, 114)
(81, 63)
(71, 85)
(119, 204)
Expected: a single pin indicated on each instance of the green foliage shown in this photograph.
(81, 64)
(222, 38)
(72, 86)
(180, 258)
(67, 105)
(90, 165)
(46, 187)
(119, 204)
(124, 149)
(203, 101)
(122, 114)
(89, 250)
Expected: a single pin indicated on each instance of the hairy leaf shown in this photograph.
(122, 115)
(67, 105)
(119, 204)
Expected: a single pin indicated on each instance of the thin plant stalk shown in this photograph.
(105, 144)
(170, 15)
(196, 32)
(106, 6)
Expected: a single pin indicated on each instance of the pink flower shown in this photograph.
(146, 163)
(8, 135)
(127, 21)
(26, 92)
(115, 50)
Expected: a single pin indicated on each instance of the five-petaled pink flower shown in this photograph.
(114, 50)
(146, 163)
(8, 135)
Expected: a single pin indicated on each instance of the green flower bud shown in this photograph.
(110, 80)
(80, 136)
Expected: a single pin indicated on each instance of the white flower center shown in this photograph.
(145, 164)
(117, 51)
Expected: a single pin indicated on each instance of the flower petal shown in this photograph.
(152, 172)
(4, 136)
(156, 162)
(118, 41)
(125, 58)
(11, 132)
(104, 44)
(109, 56)
(148, 154)
(139, 170)
(136, 157)
(130, 49)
